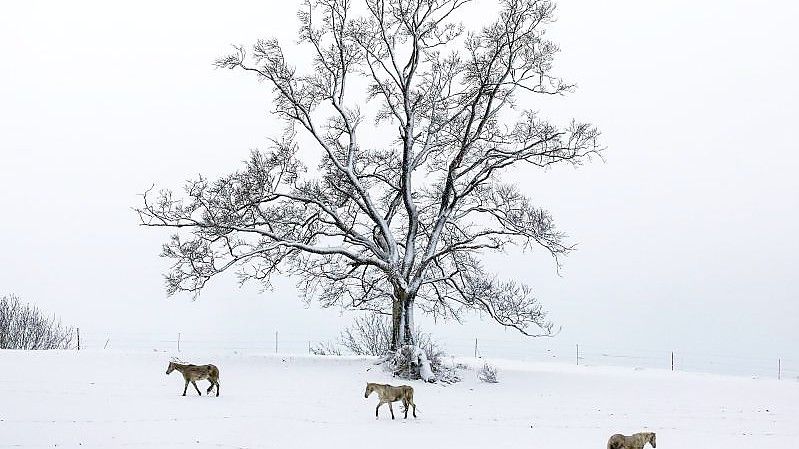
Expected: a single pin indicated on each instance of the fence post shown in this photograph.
(475, 347)
(779, 369)
(106, 342)
(178, 341)
(578, 353)
(672, 360)
(78, 339)
(275, 342)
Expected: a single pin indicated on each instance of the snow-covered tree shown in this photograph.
(393, 224)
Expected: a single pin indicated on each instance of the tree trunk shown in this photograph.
(402, 335)
(407, 312)
(397, 321)
(402, 321)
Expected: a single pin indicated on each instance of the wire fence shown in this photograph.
(678, 360)
(490, 348)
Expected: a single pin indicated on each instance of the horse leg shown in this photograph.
(195, 387)
(377, 409)
(391, 409)
(217, 387)
(210, 387)
(185, 387)
(405, 406)
(414, 409)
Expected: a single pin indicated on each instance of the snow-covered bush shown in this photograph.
(325, 348)
(410, 362)
(488, 374)
(23, 326)
(367, 335)
(371, 335)
(425, 361)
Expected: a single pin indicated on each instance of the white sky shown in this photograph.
(687, 234)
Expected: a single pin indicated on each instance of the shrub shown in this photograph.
(371, 335)
(23, 326)
(325, 348)
(488, 374)
(368, 335)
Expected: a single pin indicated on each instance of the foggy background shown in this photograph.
(686, 234)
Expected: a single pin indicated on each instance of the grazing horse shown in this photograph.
(635, 441)
(193, 373)
(389, 394)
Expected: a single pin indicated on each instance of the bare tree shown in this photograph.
(23, 326)
(388, 226)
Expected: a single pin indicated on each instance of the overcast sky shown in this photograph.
(687, 234)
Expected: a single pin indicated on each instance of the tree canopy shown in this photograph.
(388, 224)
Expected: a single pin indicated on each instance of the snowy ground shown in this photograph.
(111, 399)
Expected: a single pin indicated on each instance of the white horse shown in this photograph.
(635, 441)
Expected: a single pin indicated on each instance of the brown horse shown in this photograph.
(193, 373)
(389, 394)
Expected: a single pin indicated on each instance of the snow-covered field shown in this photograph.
(112, 399)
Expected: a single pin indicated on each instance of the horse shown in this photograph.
(388, 394)
(635, 441)
(193, 373)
